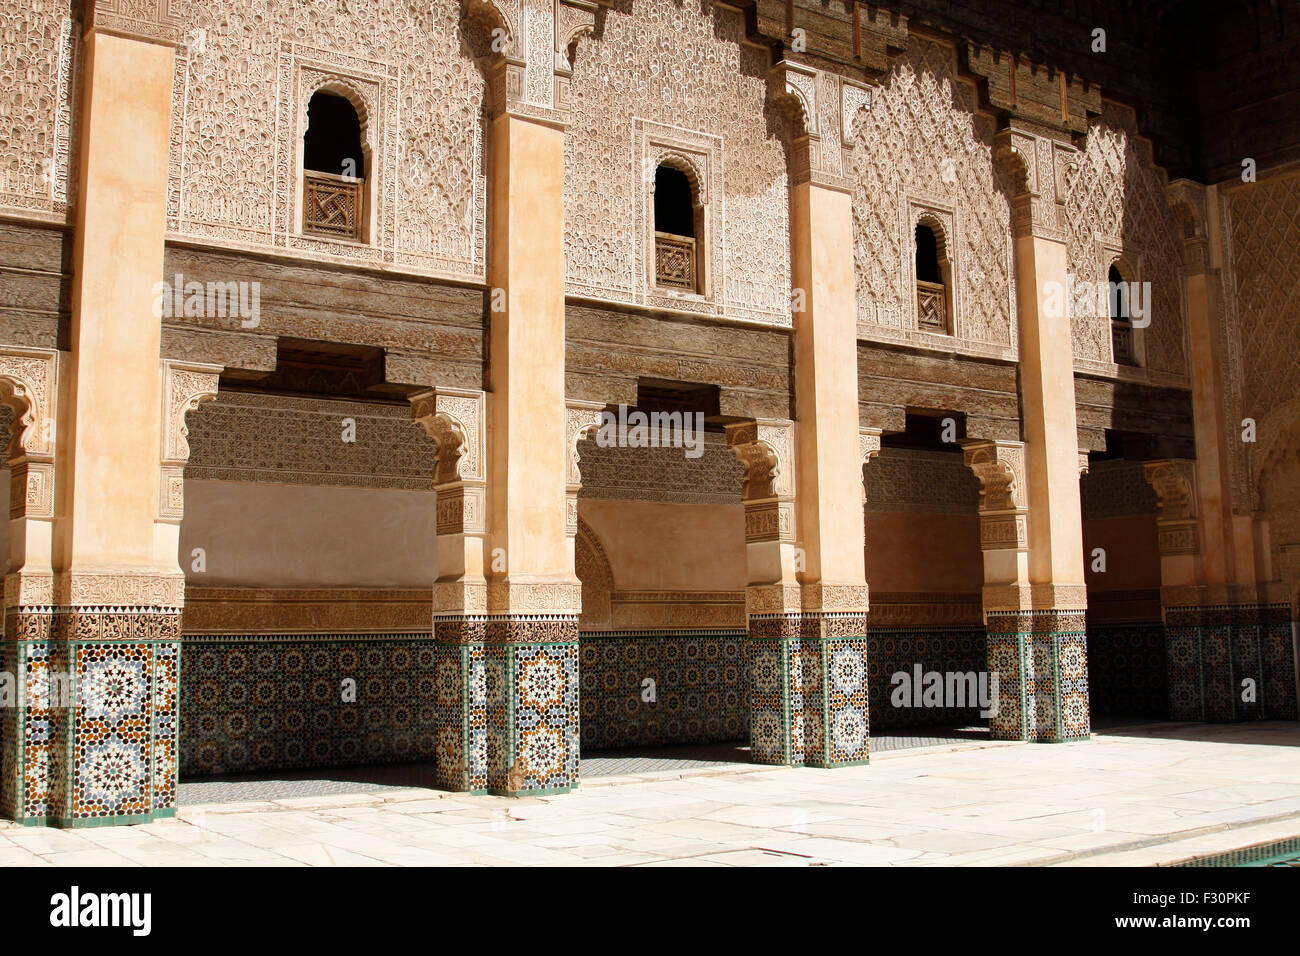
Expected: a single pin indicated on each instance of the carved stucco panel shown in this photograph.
(687, 71)
(38, 56)
(242, 82)
(1117, 198)
(922, 136)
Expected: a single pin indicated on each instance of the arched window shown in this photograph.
(333, 169)
(933, 304)
(1123, 346)
(677, 221)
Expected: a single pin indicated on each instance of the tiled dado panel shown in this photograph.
(1127, 673)
(700, 689)
(90, 737)
(808, 690)
(1212, 650)
(263, 702)
(946, 650)
(506, 704)
(1042, 662)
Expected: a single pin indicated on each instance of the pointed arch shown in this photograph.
(593, 569)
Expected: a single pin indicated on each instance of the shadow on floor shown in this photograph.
(913, 738)
(632, 761)
(1275, 733)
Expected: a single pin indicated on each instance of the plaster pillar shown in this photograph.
(807, 594)
(506, 612)
(107, 752)
(1039, 623)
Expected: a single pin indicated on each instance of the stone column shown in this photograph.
(1227, 551)
(1044, 616)
(114, 620)
(507, 674)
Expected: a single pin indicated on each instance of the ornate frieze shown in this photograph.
(1006, 598)
(1116, 488)
(924, 482)
(155, 20)
(705, 111)
(1117, 201)
(39, 54)
(1260, 340)
(281, 439)
(419, 99)
(661, 474)
(657, 610)
(304, 610)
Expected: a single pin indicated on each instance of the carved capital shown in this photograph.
(766, 448)
(28, 385)
(529, 63)
(184, 386)
(1000, 468)
(1174, 481)
(868, 448)
(823, 107)
(581, 419)
(456, 419)
(1187, 199)
(1177, 524)
(1041, 170)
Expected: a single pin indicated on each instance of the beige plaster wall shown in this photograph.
(655, 545)
(268, 536)
(909, 552)
(1132, 558)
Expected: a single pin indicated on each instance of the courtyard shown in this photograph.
(1145, 795)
